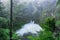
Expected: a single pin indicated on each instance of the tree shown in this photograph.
(50, 22)
(58, 2)
(4, 35)
(1, 8)
(3, 22)
(3, 12)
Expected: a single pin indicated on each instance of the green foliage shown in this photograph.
(58, 2)
(18, 24)
(48, 26)
(3, 22)
(58, 23)
(50, 23)
(15, 37)
(4, 35)
(1, 6)
(46, 35)
(31, 38)
(3, 11)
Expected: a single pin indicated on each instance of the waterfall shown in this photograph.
(30, 28)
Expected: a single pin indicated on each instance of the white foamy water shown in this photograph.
(29, 28)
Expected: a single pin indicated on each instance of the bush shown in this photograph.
(4, 35)
(3, 22)
(45, 35)
(50, 23)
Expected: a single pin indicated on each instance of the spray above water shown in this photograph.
(29, 28)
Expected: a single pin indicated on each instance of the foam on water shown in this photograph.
(29, 28)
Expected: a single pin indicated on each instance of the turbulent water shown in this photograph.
(29, 28)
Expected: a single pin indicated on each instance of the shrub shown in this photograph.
(4, 35)
(3, 22)
(46, 35)
(50, 23)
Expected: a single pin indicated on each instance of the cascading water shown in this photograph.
(29, 28)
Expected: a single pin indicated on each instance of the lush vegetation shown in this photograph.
(48, 33)
(50, 25)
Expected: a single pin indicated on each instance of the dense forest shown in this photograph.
(46, 14)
